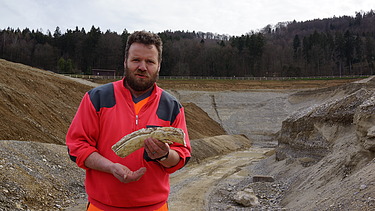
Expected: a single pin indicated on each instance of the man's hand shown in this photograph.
(125, 175)
(121, 172)
(155, 148)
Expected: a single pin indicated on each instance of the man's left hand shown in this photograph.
(155, 148)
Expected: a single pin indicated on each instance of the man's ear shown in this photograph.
(125, 67)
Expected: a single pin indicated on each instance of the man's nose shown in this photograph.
(142, 66)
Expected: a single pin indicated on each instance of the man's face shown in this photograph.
(142, 66)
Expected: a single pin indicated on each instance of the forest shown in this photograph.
(338, 46)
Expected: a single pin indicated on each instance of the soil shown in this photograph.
(37, 107)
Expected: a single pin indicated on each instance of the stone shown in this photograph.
(246, 198)
(263, 178)
(371, 132)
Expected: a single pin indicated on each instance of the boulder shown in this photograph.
(246, 198)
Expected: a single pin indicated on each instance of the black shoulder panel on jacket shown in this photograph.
(102, 96)
(168, 108)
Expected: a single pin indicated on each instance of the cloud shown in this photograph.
(218, 16)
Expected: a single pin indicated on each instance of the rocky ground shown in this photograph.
(336, 121)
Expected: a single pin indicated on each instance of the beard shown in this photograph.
(140, 84)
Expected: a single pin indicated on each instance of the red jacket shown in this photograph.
(105, 115)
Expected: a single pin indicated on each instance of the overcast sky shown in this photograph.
(231, 17)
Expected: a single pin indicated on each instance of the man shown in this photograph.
(140, 181)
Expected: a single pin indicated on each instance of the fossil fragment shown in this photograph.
(134, 141)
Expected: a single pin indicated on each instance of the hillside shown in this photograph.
(36, 105)
(332, 148)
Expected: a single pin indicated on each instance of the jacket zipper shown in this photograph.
(140, 111)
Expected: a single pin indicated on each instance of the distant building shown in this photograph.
(103, 72)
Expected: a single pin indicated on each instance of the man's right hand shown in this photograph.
(121, 172)
(125, 175)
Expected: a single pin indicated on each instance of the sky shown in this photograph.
(229, 17)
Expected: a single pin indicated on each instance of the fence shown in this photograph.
(224, 78)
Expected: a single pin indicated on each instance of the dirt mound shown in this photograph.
(199, 124)
(36, 105)
(218, 145)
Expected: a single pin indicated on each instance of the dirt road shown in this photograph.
(191, 185)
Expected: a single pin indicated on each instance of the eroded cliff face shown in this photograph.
(328, 153)
(311, 134)
(364, 120)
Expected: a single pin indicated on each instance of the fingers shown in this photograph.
(133, 176)
(155, 148)
(125, 175)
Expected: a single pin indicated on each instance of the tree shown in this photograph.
(65, 66)
(296, 45)
(370, 54)
(57, 32)
(349, 49)
(109, 52)
(331, 46)
(339, 51)
(44, 56)
(88, 50)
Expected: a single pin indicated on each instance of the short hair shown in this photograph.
(146, 38)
